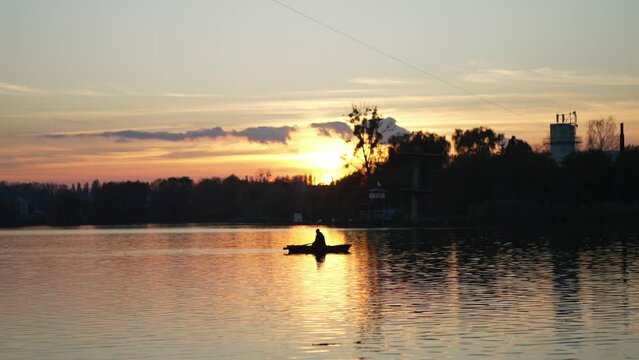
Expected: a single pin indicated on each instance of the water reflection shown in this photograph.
(228, 293)
(489, 293)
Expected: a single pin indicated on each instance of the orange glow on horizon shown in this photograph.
(109, 160)
(82, 159)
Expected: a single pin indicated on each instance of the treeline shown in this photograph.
(171, 200)
(492, 180)
(521, 186)
(488, 180)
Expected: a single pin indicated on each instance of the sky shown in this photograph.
(126, 90)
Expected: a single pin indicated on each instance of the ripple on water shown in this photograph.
(437, 294)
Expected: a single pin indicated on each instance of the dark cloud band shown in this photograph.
(334, 128)
(387, 127)
(261, 134)
(266, 134)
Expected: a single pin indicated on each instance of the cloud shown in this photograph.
(193, 154)
(16, 89)
(148, 135)
(388, 128)
(377, 81)
(551, 76)
(188, 95)
(266, 134)
(165, 135)
(111, 91)
(334, 128)
(262, 134)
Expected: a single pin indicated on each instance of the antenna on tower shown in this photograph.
(569, 118)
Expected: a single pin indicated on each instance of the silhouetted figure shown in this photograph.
(319, 239)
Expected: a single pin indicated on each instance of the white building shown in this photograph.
(563, 136)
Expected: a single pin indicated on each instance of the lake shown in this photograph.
(207, 292)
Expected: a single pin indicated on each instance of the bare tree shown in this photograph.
(602, 135)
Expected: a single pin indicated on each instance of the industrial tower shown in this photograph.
(563, 139)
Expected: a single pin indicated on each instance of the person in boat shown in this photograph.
(319, 239)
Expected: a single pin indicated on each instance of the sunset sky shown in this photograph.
(121, 90)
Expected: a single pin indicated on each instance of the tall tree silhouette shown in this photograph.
(477, 141)
(517, 147)
(368, 150)
(121, 203)
(420, 141)
(170, 199)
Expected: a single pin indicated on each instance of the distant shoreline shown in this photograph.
(625, 222)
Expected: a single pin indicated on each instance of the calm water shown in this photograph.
(206, 292)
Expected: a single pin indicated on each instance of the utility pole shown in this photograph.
(622, 145)
(417, 155)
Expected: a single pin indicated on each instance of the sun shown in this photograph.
(326, 179)
(326, 160)
(319, 156)
(327, 166)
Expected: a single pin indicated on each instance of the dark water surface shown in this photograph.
(210, 292)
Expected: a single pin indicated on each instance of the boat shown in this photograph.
(308, 249)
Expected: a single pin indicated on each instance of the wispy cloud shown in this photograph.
(109, 91)
(262, 134)
(551, 76)
(195, 154)
(17, 89)
(334, 128)
(188, 95)
(21, 89)
(86, 92)
(379, 81)
(275, 112)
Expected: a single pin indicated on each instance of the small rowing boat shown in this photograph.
(308, 249)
